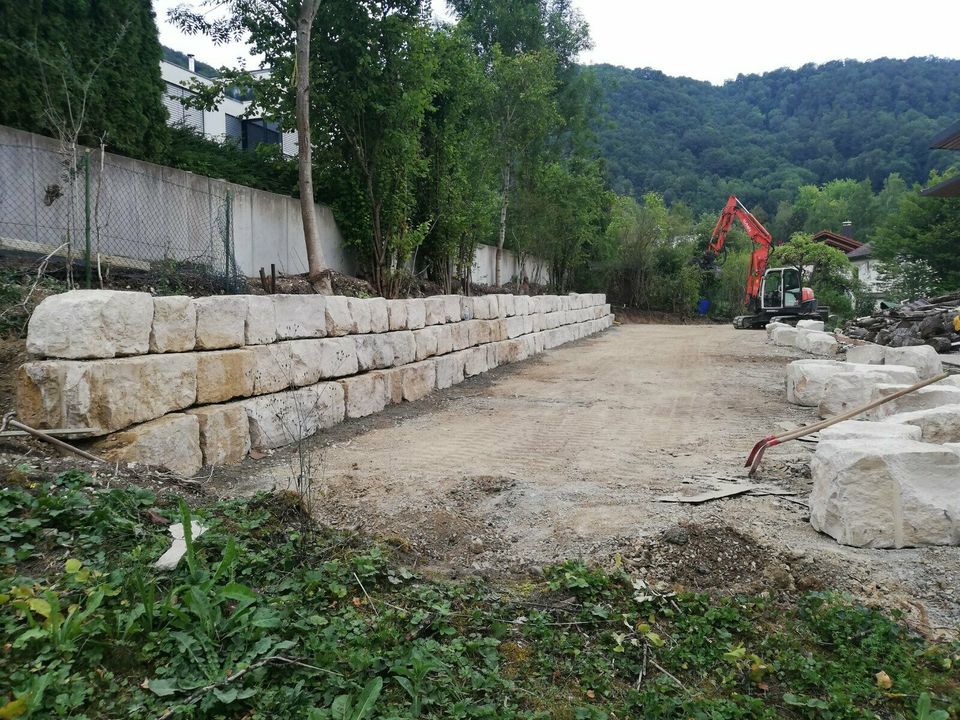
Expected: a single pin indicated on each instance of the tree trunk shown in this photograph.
(316, 264)
(504, 200)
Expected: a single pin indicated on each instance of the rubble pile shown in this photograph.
(934, 322)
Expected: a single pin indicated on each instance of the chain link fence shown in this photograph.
(106, 217)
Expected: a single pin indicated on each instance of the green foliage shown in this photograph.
(826, 269)
(58, 56)
(264, 620)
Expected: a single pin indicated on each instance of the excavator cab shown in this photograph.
(781, 289)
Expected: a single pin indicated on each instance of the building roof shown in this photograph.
(864, 251)
(949, 139)
(947, 188)
(835, 240)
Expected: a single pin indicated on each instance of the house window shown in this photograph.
(179, 114)
(234, 128)
(260, 132)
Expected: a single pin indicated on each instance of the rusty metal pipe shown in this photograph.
(9, 421)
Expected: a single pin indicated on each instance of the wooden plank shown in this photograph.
(709, 495)
(52, 431)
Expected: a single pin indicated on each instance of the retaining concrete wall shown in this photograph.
(182, 382)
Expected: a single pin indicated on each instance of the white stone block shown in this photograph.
(784, 335)
(288, 417)
(466, 308)
(312, 360)
(854, 386)
(506, 305)
(374, 352)
(529, 324)
(360, 315)
(272, 371)
(435, 308)
(868, 354)
(936, 425)
(417, 380)
(486, 307)
(923, 357)
(475, 361)
(379, 315)
(221, 321)
(397, 314)
(925, 398)
(451, 308)
(807, 379)
(515, 326)
(510, 351)
(171, 442)
(521, 304)
(339, 320)
(416, 314)
(479, 332)
(449, 369)
(224, 374)
(460, 333)
(854, 429)
(771, 326)
(815, 325)
(300, 316)
(404, 346)
(444, 339)
(224, 433)
(886, 493)
(174, 324)
(260, 325)
(816, 343)
(364, 394)
(426, 340)
(91, 324)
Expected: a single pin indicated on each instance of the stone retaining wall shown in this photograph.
(182, 382)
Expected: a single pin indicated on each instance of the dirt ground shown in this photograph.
(564, 457)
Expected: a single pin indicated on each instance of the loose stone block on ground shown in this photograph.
(935, 425)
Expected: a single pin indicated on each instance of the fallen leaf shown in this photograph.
(591, 694)
(357, 602)
(883, 681)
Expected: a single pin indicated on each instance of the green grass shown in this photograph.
(269, 617)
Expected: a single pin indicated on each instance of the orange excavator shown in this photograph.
(772, 293)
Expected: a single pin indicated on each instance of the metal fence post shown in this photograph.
(228, 209)
(86, 227)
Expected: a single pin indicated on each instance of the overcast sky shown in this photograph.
(714, 40)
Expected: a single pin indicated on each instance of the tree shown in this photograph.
(280, 29)
(827, 270)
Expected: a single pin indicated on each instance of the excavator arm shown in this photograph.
(761, 237)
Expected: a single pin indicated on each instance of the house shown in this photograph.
(949, 139)
(225, 123)
(860, 255)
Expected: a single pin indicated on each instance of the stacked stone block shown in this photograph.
(182, 382)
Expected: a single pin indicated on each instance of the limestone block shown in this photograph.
(936, 425)
(271, 368)
(513, 327)
(105, 395)
(224, 374)
(485, 307)
(783, 335)
(538, 342)
(397, 314)
(854, 429)
(339, 320)
(416, 314)
(451, 308)
(854, 386)
(392, 384)
(300, 316)
(290, 416)
(417, 380)
(404, 346)
(91, 324)
(360, 315)
(815, 325)
(466, 307)
(510, 351)
(817, 343)
(551, 320)
(478, 332)
(224, 433)
(530, 346)
(379, 315)
(475, 361)
(426, 340)
(444, 339)
(925, 398)
(807, 379)
(506, 305)
(171, 442)
(529, 324)
(312, 360)
(460, 333)
(260, 324)
(221, 321)
(374, 352)
(493, 355)
(521, 304)
(435, 309)
(449, 369)
(885, 493)
(775, 326)
(174, 324)
(923, 357)
(364, 394)
(868, 354)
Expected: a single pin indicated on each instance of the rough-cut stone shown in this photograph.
(364, 394)
(105, 395)
(404, 346)
(91, 324)
(288, 417)
(374, 352)
(923, 357)
(221, 321)
(224, 433)
(466, 308)
(852, 429)
(449, 369)
(379, 315)
(955, 447)
(784, 335)
(815, 325)
(771, 326)
(339, 321)
(816, 343)
(510, 351)
(506, 305)
(925, 398)
(936, 425)
(171, 442)
(397, 314)
(435, 308)
(224, 374)
(426, 340)
(475, 361)
(271, 368)
(417, 380)
(868, 354)
(522, 304)
(484, 307)
(854, 386)
(260, 324)
(478, 332)
(416, 314)
(807, 379)
(300, 316)
(451, 308)
(174, 324)
(444, 339)
(360, 315)
(460, 333)
(322, 359)
(886, 493)
(515, 326)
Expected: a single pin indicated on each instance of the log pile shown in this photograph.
(934, 321)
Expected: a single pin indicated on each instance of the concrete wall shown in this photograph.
(485, 267)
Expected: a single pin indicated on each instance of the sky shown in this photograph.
(715, 40)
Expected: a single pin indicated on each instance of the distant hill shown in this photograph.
(178, 58)
(762, 136)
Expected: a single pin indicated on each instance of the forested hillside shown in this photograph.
(763, 136)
